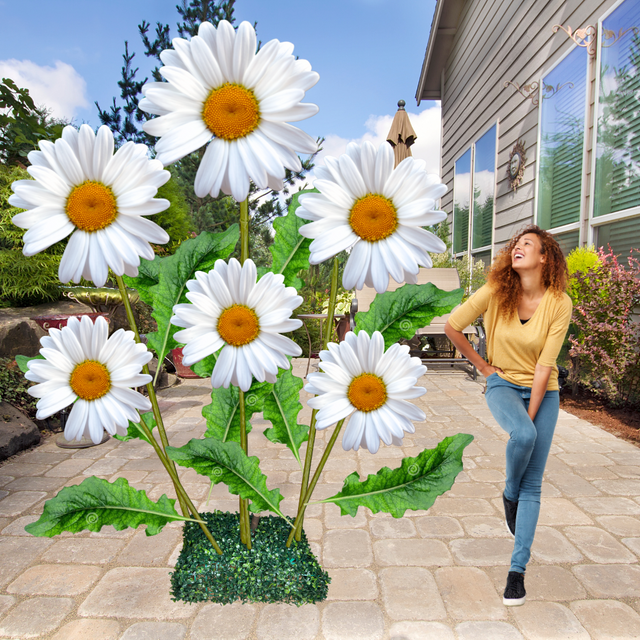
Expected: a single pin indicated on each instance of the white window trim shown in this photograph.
(574, 225)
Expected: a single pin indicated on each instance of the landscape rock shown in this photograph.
(17, 432)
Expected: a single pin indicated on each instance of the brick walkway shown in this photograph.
(430, 575)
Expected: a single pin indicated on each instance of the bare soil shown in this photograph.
(624, 423)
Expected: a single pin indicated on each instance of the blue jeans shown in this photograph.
(527, 452)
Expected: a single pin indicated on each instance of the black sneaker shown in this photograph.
(514, 594)
(510, 511)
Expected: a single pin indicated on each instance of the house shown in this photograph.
(540, 120)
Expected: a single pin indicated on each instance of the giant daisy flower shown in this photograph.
(372, 386)
(365, 202)
(229, 309)
(220, 91)
(82, 188)
(85, 367)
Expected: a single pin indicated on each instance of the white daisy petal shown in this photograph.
(220, 64)
(352, 381)
(251, 332)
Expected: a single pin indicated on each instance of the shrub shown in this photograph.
(13, 387)
(23, 280)
(605, 355)
(580, 260)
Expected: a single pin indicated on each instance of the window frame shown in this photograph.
(593, 222)
(585, 151)
(472, 147)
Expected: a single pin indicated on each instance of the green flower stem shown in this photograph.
(312, 425)
(332, 303)
(245, 530)
(150, 388)
(297, 525)
(306, 472)
(180, 490)
(244, 230)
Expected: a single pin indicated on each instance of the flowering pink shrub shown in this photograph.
(605, 351)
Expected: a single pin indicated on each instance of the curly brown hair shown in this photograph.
(506, 282)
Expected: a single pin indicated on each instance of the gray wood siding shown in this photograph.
(496, 41)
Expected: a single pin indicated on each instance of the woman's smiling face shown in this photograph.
(527, 252)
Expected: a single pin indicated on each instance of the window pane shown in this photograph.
(623, 236)
(461, 189)
(618, 145)
(484, 177)
(568, 241)
(485, 256)
(563, 101)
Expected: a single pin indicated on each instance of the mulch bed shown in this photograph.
(624, 423)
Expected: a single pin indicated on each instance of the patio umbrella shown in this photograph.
(401, 135)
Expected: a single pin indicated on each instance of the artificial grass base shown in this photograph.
(269, 572)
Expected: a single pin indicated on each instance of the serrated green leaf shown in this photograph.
(204, 367)
(148, 277)
(414, 485)
(227, 462)
(135, 431)
(399, 314)
(223, 413)
(95, 503)
(173, 273)
(22, 361)
(290, 250)
(281, 408)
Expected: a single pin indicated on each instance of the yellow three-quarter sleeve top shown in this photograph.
(514, 347)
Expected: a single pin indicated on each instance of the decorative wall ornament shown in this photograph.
(516, 164)
(582, 37)
(608, 34)
(531, 91)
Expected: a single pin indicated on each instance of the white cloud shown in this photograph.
(426, 147)
(61, 89)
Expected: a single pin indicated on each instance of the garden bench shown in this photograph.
(446, 279)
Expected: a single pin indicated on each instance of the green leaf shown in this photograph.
(148, 277)
(414, 485)
(173, 273)
(96, 503)
(281, 408)
(290, 250)
(227, 462)
(135, 431)
(399, 314)
(223, 413)
(204, 368)
(23, 360)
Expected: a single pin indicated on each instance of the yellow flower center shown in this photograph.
(90, 380)
(91, 206)
(238, 325)
(373, 217)
(367, 392)
(231, 111)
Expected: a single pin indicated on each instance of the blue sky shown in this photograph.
(368, 53)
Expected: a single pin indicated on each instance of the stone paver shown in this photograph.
(436, 574)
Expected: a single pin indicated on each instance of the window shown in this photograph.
(622, 236)
(473, 197)
(562, 121)
(568, 241)
(617, 173)
(484, 180)
(461, 193)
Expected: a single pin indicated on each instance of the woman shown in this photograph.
(526, 316)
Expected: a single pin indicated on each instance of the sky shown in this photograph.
(368, 53)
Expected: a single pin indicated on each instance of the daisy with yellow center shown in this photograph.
(228, 308)
(379, 211)
(85, 367)
(219, 92)
(82, 188)
(361, 380)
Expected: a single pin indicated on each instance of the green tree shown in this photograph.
(22, 124)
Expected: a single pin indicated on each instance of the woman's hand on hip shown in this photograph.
(489, 370)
